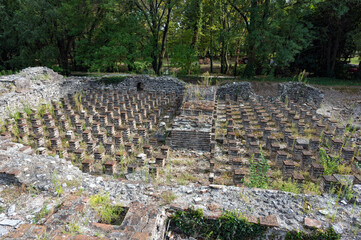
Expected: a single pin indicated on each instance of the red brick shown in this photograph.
(252, 219)
(19, 232)
(38, 230)
(79, 207)
(104, 227)
(213, 207)
(140, 236)
(62, 237)
(269, 221)
(312, 223)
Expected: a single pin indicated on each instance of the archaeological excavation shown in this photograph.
(152, 147)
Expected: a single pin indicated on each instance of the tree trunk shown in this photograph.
(63, 56)
(235, 73)
(211, 53)
(164, 39)
(251, 50)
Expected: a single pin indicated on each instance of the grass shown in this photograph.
(107, 213)
(286, 186)
(43, 213)
(168, 197)
(355, 60)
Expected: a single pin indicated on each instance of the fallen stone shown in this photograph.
(9, 222)
(312, 223)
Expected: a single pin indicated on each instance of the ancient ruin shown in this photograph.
(157, 145)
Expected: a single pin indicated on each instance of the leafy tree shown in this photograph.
(157, 17)
(334, 25)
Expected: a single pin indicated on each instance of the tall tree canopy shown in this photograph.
(274, 36)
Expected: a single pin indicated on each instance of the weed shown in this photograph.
(287, 186)
(57, 184)
(258, 172)
(72, 228)
(43, 213)
(311, 188)
(107, 213)
(343, 169)
(168, 197)
(329, 164)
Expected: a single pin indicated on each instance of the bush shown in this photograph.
(258, 173)
(107, 213)
(185, 57)
(231, 225)
(329, 234)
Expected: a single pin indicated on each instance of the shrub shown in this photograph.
(231, 225)
(329, 234)
(258, 173)
(329, 164)
(107, 213)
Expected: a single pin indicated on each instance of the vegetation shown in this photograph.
(168, 197)
(43, 213)
(258, 172)
(274, 38)
(107, 213)
(231, 225)
(329, 234)
(329, 164)
(57, 184)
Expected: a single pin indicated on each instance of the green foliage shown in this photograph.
(278, 37)
(43, 213)
(287, 186)
(312, 188)
(72, 228)
(27, 108)
(41, 110)
(184, 57)
(14, 115)
(329, 164)
(231, 225)
(358, 165)
(258, 172)
(329, 234)
(107, 213)
(168, 197)
(57, 184)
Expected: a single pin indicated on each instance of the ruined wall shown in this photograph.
(147, 83)
(300, 92)
(235, 90)
(33, 86)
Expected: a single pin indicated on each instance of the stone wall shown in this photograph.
(300, 93)
(235, 90)
(33, 86)
(288, 208)
(147, 83)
